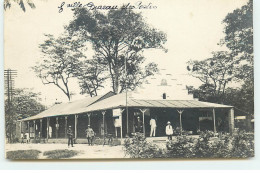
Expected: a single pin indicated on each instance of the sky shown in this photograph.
(193, 28)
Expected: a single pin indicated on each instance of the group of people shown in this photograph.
(168, 128)
(90, 134)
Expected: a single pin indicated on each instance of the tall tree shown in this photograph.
(215, 73)
(60, 58)
(117, 37)
(239, 39)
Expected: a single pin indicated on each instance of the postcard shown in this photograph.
(139, 79)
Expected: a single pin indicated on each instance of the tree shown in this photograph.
(215, 73)
(239, 39)
(25, 103)
(241, 98)
(60, 58)
(90, 75)
(117, 37)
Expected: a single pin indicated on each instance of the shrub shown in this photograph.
(183, 148)
(238, 145)
(242, 145)
(60, 154)
(22, 154)
(138, 147)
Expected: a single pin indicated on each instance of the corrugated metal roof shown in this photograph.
(69, 108)
(119, 101)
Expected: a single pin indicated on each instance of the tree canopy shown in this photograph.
(239, 39)
(118, 37)
(215, 73)
(60, 58)
(236, 64)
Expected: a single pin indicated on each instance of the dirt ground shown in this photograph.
(85, 151)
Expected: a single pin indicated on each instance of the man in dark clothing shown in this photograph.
(70, 136)
(139, 125)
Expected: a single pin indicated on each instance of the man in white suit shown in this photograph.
(153, 127)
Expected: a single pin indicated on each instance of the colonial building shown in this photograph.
(162, 98)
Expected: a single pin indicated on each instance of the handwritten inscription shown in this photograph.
(92, 6)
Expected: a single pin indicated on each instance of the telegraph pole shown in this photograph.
(127, 127)
(9, 91)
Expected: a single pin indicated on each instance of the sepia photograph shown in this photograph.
(139, 79)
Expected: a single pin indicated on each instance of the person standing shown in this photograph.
(22, 137)
(90, 135)
(153, 127)
(139, 125)
(70, 136)
(169, 130)
(50, 132)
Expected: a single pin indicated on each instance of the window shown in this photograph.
(164, 96)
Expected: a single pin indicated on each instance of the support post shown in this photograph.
(56, 127)
(40, 129)
(48, 124)
(21, 124)
(66, 124)
(76, 126)
(180, 112)
(231, 121)
(143, 111)
(127, 121)
(121, 130)
(89, 114)
(34, 128)
(214, 121)
(103, 113)
(28, 124)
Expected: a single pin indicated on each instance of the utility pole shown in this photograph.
(127, 118)
(9, 91)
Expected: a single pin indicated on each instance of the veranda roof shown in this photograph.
(68, 108)
(119, 101)
(111, 101)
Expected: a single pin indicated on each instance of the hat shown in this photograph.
(69, 126)
(168, 122)
(88, 125)
(138, 117)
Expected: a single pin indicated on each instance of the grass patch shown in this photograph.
(22, 154)
(60, 154)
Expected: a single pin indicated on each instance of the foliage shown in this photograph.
(90, 75)
(24, 103)
(238, 64)
(242, 98)
(138, 147)
(183, 148)
(215, 73)
(118, 38)
(239, 32)
(8, 4)
(239, 39)
(60, 154)
(238, 145)
(59, 60)
(22, 154)
(242, 145)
